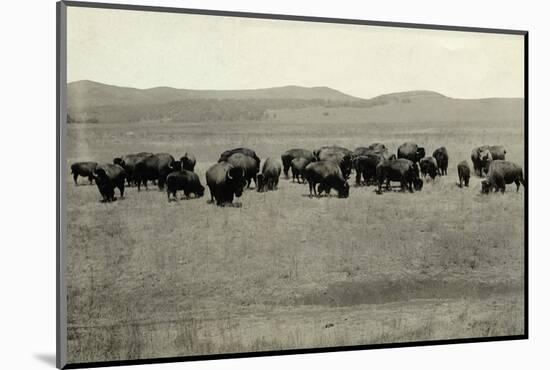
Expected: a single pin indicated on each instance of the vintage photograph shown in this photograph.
(242, 184)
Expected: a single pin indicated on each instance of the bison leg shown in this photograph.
(75, 177)
(121, 189)
(90, 179)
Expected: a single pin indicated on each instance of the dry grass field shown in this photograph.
(148, 278)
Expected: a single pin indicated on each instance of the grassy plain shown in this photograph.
(148, 278)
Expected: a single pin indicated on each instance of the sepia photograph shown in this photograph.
(239, 184)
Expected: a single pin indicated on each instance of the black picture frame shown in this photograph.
(61, 114)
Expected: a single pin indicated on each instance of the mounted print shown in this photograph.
(237, 184)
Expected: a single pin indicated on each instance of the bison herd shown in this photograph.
(324, 169)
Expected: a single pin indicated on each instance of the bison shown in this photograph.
(463, 173)
(501, 173)
(337, 154)
(248, 164)
(289, 155)
(84, 169)
(442, 158)
(411, 151)
(298, 165)
(185, 180)
(328, 175)
(108, 177)
(428, 167)
(129, 162)
(188, 162)
(483, 155)
(402, 170)
(249, 152)
(153, 168)
(269, 178)
(225, 181)
(365, 166)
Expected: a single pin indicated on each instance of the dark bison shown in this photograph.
(428, 167)
(483, 155)
(501, 173)
(108, 177)
(365, 166)
(269, 178)
(411, 151)
(298, 165)
(249, 152)
(291, 154)
(188, 161)
(224, 182)
(154, 168)
(84, 169)
(248, 164)
(329, 176)
(337, 154)
(463, 173)
(128, 162)
(442, 158)
(185, 180)
(402, 170)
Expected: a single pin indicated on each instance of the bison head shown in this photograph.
(420, 153)
(485, 186)
(199, 191)
(119, 161)
(175, 166)
(343, 192)
(260, 181)
(235, 180)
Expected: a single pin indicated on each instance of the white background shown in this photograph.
(27, 183)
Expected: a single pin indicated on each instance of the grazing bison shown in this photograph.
(402, 170)
(298, 165)
(84, 169)
(483, 155)
(411, 151)
(337, 154)
(428, 167)
(129, 162)
(108, 177)
(188, 162)
(365, 166)
(153, 168)
(249, 152)
(501, 173)
(329, 176)
(291, 154)
(224, 182)
(463, 173)
(185, 180)
(442, 157)
(269, 178)
(248, 164)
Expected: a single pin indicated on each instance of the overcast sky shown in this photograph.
(148, 49)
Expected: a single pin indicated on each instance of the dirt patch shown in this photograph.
(350, 293)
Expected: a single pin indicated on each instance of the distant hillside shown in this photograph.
(93, 94)
(92, 102)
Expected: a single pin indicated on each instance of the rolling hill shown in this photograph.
(93, 102)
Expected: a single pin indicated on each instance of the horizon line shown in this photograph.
(302, 86)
